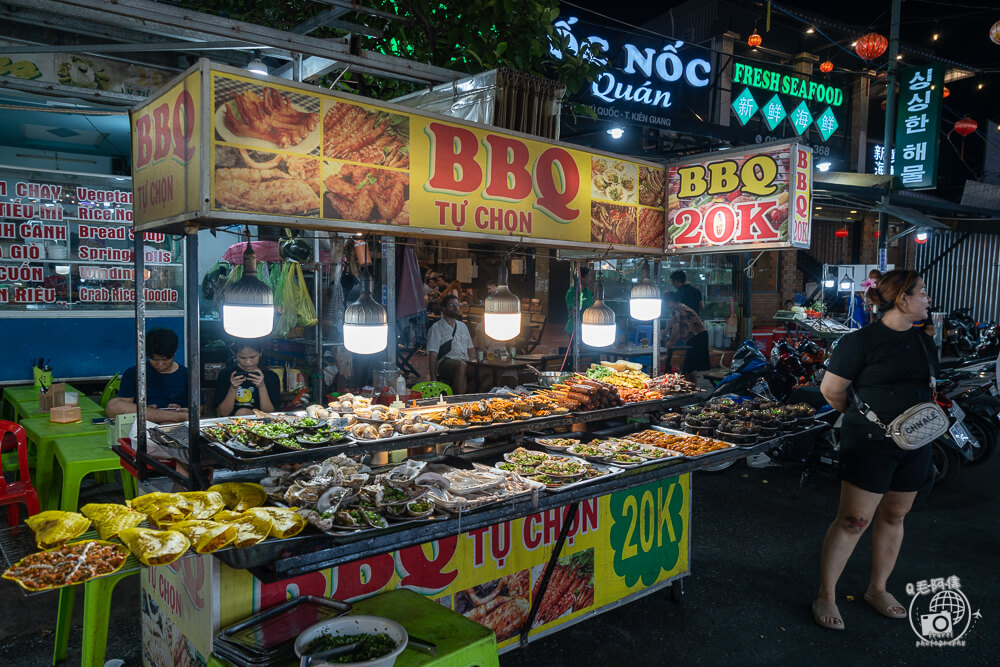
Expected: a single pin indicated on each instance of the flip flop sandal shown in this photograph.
(824, 613)
(883, 603)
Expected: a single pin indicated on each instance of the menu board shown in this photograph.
(284, 153)
(66, 244)
(754, 199)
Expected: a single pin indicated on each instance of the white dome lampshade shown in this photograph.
(598, 328)
(502, 310)
(366, 327)
(644, 302)
(248, 304)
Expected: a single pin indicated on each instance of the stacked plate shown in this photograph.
(267, 639)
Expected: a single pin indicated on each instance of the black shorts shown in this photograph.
(876, 464)
(697, 358)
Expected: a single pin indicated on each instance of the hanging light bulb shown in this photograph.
(644, 302)
(257, 65)
(248, 305)
(366, 325)
(502, 310)
(920, 238)
(598, 327)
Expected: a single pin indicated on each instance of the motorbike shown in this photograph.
(977, 395)
(960, 336)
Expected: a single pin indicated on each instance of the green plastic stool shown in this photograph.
(96, 612)
(79, 457)
(460, 642)
(110, 390)
(432, 389)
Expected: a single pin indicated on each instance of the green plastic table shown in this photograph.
(42, 435)
(460, 642)
(23, 403)
(78, 457)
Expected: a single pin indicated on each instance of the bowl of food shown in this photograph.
(380, 641)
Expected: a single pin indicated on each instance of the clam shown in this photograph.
(317, 412)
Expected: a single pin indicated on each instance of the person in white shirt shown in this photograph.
(450, 347)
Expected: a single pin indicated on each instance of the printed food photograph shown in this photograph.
(651, 182)
(612, 224)
(613, 180)
(351, 132)
(265, 117)
(263, 182)
(570, 589)
(365, 194)
(650, 228)
(501, 605)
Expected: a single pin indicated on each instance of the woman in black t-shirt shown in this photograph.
(245, 386)
(888, 362)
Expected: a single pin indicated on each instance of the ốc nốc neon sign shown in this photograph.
(648, 64)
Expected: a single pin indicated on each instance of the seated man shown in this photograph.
(450, 347)
(166, 382)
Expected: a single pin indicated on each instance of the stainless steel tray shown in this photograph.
(273, 628)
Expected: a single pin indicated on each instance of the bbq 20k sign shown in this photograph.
(753, 199)
(617, 545)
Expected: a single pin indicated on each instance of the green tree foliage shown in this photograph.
(465, 36)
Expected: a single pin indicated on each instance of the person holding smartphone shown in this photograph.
(245, 386)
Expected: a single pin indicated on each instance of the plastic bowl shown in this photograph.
(352, 625)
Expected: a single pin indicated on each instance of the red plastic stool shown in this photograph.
(21, 491)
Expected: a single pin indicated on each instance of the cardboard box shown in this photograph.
(65, 414)
(54, 397)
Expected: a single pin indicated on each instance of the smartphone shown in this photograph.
(99, 420)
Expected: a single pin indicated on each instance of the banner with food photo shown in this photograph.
(625, 544)
(280, 151)
(752, 199)
(627, 203)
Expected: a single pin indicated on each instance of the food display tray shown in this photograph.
(699, 457)
(177, 434)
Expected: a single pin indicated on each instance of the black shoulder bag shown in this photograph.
(446, 346)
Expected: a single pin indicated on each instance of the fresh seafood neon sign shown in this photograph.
(648, 64)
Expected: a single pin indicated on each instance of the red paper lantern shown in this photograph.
(966, 126)
(754, 40)
(945, 92)
(871, 46)
(841, 233)
(826, 66)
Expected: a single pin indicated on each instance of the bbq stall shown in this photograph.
(525, 513)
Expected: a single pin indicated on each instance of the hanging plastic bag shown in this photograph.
(274, 277)
(304, 303)
(286, 303)
(278, 284)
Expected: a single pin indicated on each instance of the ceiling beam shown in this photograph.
(86, 94)
(165, 19)
(318, 21)
(353, 6)
(130, 48)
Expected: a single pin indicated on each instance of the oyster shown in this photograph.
(315, 518)
(420, 509)
(350, 518)
(405, 474)
(333, 498)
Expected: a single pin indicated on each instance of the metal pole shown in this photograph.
(140, 350)
(576, 313)
(747, 298)
(890, 117)
(389, 293)
(655, 366)
(193, 340)
(318, 290)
